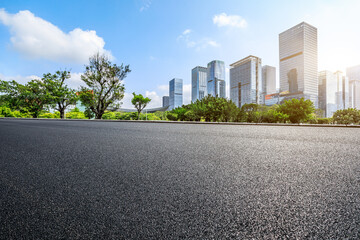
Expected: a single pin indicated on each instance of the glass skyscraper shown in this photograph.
(175, 93)
(165, 101)
(198, 83)
(353, 74)
(216, 79)
(269, 79)
(246, 81)
(299, 62)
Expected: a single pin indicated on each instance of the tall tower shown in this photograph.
(198, 83)
(216, 78)
(298, 54)
(246, 81)
(353, 73)
(175, 93)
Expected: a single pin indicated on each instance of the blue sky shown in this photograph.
(165, 39)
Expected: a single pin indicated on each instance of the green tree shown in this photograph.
(347, 116)
(60, 94)
(139, 102)
(297, 110)
(31, 97)
(104, 84)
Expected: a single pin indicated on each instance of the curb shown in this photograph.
(193, 122)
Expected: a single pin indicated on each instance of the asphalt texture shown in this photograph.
(131, 180)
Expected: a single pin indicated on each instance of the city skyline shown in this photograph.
(232, 32)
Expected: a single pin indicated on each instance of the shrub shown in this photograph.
(172, 116)
(324, 120)
(347, 116)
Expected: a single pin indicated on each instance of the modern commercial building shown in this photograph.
(269, 79)
(333, 92)
(175, 93)
(353, 74)
(246, 81)
(342, 95)
(165, 101)
(198, 83)
(298, 54)
(216, 79)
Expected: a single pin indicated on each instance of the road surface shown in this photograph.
(129, 180)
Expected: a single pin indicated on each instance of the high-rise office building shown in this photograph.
(175, 93)
(353, 74)
(165, 101)
(246, 81)
(198, 83)
(298, 54)
(269, 79)
(216, 79)
(333, 92)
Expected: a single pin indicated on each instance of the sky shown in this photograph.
(164, 39)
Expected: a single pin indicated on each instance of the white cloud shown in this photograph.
(20, 79)
(164, 88)
(199, 44)
(223, 19)
(186, 93)
(126, 101)
(36, 38)
(156, 100)
(145, 5)
(187, 31)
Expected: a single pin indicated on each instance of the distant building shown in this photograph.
(198, 83)
(298, 54)
(165, 101)
(246, 81)
(269, 79)
(353, 74)
(333, 92)
(175, 93)
(216, 79)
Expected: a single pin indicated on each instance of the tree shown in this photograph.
(297, 110)
(61, 95)
(140, 103)
(31, 97)
(104, 84)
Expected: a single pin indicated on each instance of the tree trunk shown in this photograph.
(139, 114)
(62, 113)
(98, 116)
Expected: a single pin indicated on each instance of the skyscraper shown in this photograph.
(216, 78)
(198, 83)
(246, 81)
(269, 79)
(353, 74)
(165, 101)
(175, 93)
(299, 62)
(333, 92)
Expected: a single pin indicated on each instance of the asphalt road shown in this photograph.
(118, 180)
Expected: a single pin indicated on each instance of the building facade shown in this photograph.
(353, 75)
(246, 85)
(298, 53)
(198, 83)
(269, 79)
(216, 79)
(175, 93)
(165, 101)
